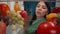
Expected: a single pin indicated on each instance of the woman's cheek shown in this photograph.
(44, 13)
(37, 14)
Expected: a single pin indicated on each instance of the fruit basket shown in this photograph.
(16, 15)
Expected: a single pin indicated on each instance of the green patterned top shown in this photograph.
(31, 29)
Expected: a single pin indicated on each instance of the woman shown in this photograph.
(42, 9)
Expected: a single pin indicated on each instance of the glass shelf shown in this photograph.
(30, 0)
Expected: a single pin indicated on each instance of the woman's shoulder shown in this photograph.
(39, 20)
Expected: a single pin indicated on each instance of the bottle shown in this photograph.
(16, 7)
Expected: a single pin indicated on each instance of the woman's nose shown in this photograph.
(40, 9)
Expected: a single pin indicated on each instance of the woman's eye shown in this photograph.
(38, 6)
(44, 8)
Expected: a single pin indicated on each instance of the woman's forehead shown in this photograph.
(41, 3)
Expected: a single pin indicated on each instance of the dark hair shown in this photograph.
(34, 17)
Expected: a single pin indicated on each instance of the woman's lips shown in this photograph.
(38, 12)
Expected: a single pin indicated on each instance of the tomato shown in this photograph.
(56, 10)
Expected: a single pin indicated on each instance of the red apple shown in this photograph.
(48, 28)
(24, 14)
(56, 10)
(4, 8)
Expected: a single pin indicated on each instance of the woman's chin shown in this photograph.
(39, 16)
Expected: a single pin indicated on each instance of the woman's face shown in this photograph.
(41, 9)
